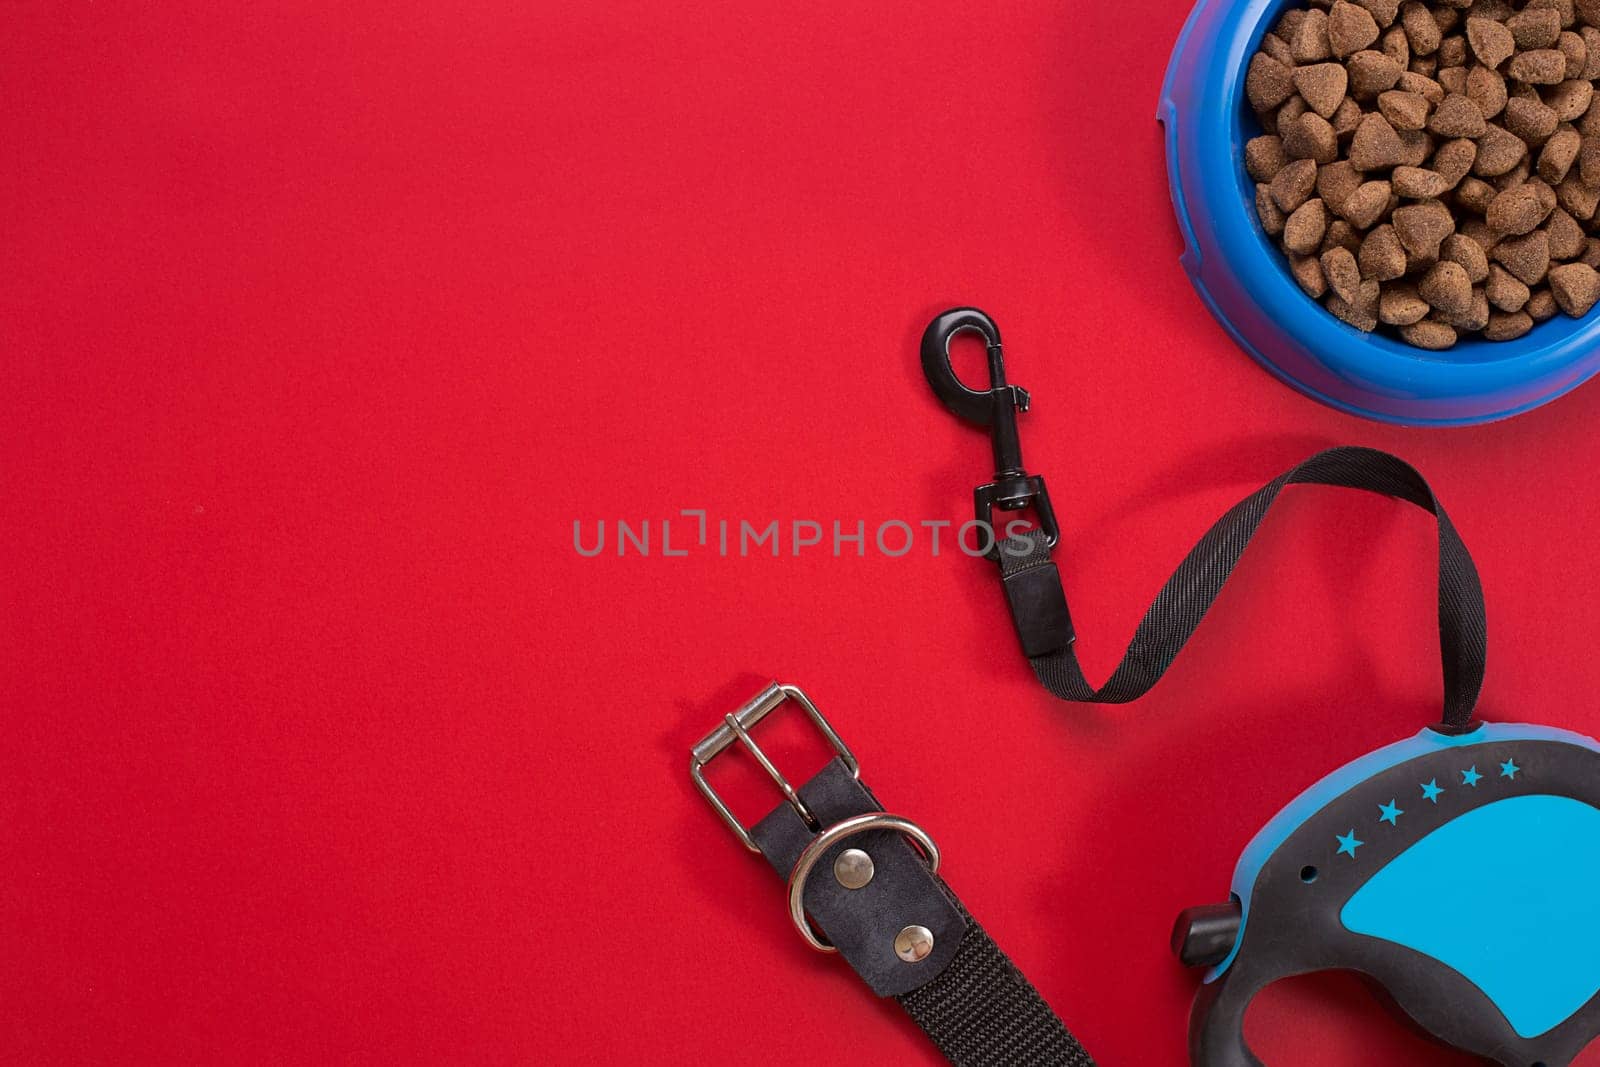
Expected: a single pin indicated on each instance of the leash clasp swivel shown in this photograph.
(1013, 488)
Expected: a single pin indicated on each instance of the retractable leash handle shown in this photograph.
(1363, 871)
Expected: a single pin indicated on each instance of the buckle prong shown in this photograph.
(772, 771)
(735, 729)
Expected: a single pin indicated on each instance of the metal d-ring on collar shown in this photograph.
(840, 831)
(1013, 487)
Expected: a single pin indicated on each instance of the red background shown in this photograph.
(321, 328)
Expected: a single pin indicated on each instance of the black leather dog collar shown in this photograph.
(860, 887)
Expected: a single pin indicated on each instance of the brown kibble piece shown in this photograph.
(1527, 258)
(1591, 44)
(1458, 248)
(1530, 120)
(1350, 28)
(1376, 146)
(1487, 89)
(1498, 152)
(1421, 227)
(1267, 83)
(1288, 112)
(1515, 176)
(1294, 184)
(1367, 204)
(1382, 257)
(1566, 237)
(1347, 118)
(1264, 157)
(1401, 306)
(1309, 43)
(1565, 8)
(1453, 79)
(1322, 86)
(1453, 54)
(1428, 65)
(1310, 137)
(1453, 161)
(1457, 116)
(1341, 235)
(1558, 155)
(1417, 146)
(1491, 41)
(1427, 88)
(1576, 287)
(1589, 161)
(1421, 29)
(1542, 66)
(1414, 183)
(1278, 49)
(1576, 50)
(1580, 200)
(1361, 313)
(1428, 334)
(1517, 211)
(1472, 320)
(1447, 288)
(1570, 100)
(1383, 11)
(1547, 195)
(1336, 182)
(1306, 227)
(1479, 231)
(1588, 11)
(1504, 290)
(1344, 276)
(1505, 326)
(1267, 210)
(1534, 28)
(1371, 73)
(1541, 305)
(1307, 274)
(1393, 44)
(1405, 111)
(1475, 194)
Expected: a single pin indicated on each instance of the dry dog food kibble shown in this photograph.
(1433, 166)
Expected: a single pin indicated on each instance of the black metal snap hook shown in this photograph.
(1013, 487)
(973, 405)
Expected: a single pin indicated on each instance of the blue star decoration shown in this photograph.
(1509, 769)
(1348, 843)
(1391, 813)
(1431, 791)
(1471, 777)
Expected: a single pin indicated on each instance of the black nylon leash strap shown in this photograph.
(1033, 588)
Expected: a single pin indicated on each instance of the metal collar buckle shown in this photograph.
(736, 726)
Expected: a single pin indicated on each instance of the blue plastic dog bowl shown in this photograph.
(1244, 278)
